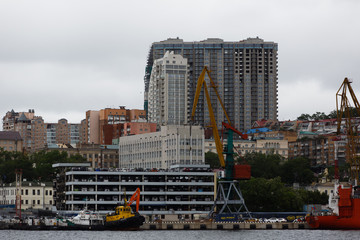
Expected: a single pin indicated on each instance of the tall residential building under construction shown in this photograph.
(244, 72)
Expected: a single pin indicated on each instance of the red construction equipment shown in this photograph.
(135, 197)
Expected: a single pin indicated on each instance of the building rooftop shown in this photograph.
(10, 135)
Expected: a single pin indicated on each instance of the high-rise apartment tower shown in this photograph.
(168, 90)
(245, 74)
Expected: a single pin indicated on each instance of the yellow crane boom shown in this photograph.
(200, 83)
(343, 110)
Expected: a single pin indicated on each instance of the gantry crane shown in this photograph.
(344, 112)
(228, 198)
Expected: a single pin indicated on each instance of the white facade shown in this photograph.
(33, 195)
(168, 90)
(266, 146)
(172, 145)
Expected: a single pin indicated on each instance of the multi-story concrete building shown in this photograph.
(36, 133)
(92, 134)
(244, 72)
(34, 195)
(320, 149)
(168, 90)
(11, 117)
(180, 190)
(266, 146)
(107, 124)
(171, 145)
(11, 141)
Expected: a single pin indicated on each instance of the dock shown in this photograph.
(221, 225)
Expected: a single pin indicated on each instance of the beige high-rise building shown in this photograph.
(92, 134)
(168, 90)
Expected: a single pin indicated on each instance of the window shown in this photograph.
(26, 192)
(26, 201)
(46, 192)
(50, 192)
(33, 191)
(38, 192)
(33, 202)
(38, 202)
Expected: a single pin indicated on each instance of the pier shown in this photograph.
(207, 225)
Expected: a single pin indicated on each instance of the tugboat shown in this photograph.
(123, 217)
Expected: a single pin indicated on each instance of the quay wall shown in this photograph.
(221, 225)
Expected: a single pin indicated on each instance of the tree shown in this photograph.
(297, 170)
(212, 159)
(304, 117)
(35, 167)
(269, 195)
(263, 165)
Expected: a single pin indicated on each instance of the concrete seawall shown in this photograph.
(220, 225)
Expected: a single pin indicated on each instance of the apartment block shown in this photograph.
(244, 73)
(110, 123)
(168, 90)
(320, 149)
(171, 145)
(36, 133)
(11, 141)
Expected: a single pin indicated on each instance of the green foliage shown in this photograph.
(212, 159)
(322, 115)
(271, 195)
(35, 167)
(313, 197)
(264, 165)
(267, 195)
(297, 170)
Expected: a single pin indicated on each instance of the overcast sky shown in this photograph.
(63, 58)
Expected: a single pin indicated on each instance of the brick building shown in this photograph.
(36, 133)
(11, 141)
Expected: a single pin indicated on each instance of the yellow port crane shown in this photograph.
(201, 82)
(241, 171)
(344, 112)
(229, 198)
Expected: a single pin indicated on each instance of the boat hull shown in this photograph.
(348, 217)
(333, 222)
(131, 223)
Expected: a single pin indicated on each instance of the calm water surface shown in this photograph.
(175, 235)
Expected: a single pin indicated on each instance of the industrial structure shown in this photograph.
(229, 198)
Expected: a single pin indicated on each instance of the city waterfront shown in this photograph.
(174, 235)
